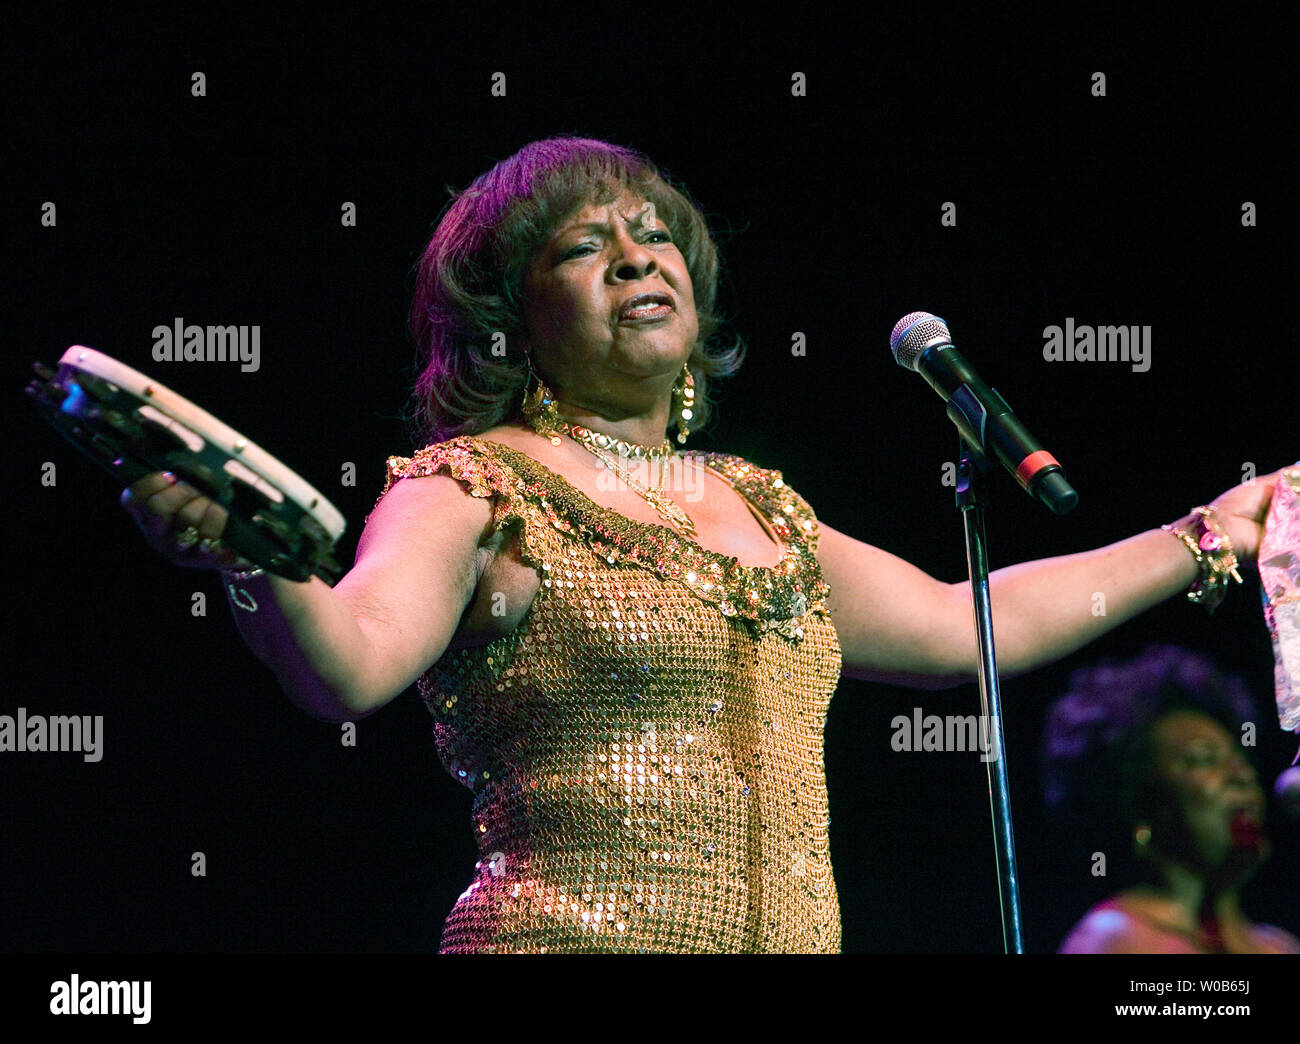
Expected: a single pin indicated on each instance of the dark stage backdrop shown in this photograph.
(826, 155)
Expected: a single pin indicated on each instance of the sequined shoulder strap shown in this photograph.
(765, 488)
(474, 463)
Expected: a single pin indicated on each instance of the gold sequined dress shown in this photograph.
(645, 748)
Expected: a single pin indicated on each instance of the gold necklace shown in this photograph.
(633, 450)
(664, 508)
(539, 410)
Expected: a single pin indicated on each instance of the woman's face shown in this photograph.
(591, 349)
(1213, 813)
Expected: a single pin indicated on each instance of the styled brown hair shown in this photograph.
(469, 283)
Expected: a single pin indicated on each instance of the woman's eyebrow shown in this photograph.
(635, 221)
(587, 226)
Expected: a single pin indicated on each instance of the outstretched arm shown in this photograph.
(899, 625)
(342, 653)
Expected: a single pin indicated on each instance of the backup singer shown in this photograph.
(629, 649)
(1148, 756)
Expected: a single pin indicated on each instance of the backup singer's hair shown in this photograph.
(469, 283)
(1098, 748)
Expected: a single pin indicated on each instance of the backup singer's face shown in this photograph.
(1215, 807)
(594, 262)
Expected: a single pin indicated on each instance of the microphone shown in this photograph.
(921, 342)
(1287, 789)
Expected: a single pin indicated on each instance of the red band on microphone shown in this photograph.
(1032, 465)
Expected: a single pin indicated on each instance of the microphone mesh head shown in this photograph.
(913, 334)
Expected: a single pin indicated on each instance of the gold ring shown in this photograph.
(187, 538)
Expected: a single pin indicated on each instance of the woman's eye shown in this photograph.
(1202, 758)
(659, 235)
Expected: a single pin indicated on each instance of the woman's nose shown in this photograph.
(634, 259)
(632, 269)
(1242, 769)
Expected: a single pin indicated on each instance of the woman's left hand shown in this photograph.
(1242, 511)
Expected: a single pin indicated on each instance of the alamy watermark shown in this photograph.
(676, 475)
(946, 732)
(1098, 344)
(81, 733)
(193, 343)
(92, 997)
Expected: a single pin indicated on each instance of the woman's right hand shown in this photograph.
(180, 523)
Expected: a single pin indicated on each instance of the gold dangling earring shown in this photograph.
(685, 388)
(538, 406)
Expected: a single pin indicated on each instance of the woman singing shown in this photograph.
(1151, 751)
(629, 649)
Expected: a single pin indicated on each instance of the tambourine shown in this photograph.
(132, 426)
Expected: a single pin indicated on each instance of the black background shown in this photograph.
(224, 209)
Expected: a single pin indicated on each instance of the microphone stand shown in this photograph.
(971, 500)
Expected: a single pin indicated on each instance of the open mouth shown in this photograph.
(1246, 827)
(646, 307)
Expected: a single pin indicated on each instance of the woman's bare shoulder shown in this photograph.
(526, 441)
(1272, 939)
(511, 435)
(1115, 925)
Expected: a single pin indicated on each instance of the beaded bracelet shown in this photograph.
(238, 595)
(1215, 557)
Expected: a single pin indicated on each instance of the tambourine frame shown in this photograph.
(132, 426)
